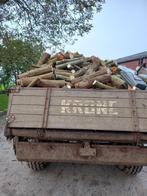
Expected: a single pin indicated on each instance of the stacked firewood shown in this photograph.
(72, 70)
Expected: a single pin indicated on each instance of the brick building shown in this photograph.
(132, 61)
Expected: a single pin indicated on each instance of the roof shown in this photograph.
(132, 57)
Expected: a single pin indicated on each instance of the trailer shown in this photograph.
(107, 127)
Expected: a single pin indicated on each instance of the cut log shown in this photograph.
(24, 81)
(62, 72)
(100, 85)
(36, 72)
(102, 78)
(33, 83)
(96, 62)
(70, 55)
(83, 84)
(62, 77)
(117, 82)
(89, 77)
(76, 62)
(44, 58)
(81, 72)
(51, 83)
(88, 83)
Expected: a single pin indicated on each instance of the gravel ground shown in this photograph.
(64, 179)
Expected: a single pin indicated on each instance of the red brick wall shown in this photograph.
(132, 64)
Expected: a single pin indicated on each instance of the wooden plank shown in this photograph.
(143, 125)
(27, 121)
(86, 92)
(28, 100)
(31, 92)
(60, 135)
(90, 112)
(141, 94)
(142, 103)
(61, 152)
(89, 94)
(94, 123)
(81, 109)
(27, 109)
(94, 101)
(74, 122)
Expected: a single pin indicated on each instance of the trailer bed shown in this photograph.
(74, 109)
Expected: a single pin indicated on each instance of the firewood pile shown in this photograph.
(72, 70)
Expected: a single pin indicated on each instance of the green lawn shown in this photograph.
(3, 102)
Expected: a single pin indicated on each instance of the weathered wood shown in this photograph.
(33, 82)
(71, 55)
(51, 83)
(60, 135)
(62, 72)
(81, 109)
(81, 72)
(78, 122)
(100, 85)
(76, 62)
(44, 58)
(117, 82)
(36, 72)
(88, 82)
(96, 62)
(62, 152)
(89, 77)
(62, 77)
(27, 80)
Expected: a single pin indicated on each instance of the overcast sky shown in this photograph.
(119, 30)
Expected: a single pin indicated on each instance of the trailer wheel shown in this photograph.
(130, 170)
(36, 166)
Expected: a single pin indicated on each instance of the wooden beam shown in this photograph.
(58, 135)
(65, 152)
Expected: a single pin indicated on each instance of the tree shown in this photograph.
(17, 56)
(53, 21)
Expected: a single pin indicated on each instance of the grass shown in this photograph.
(3, 102)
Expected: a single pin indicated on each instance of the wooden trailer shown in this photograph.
(80, 126)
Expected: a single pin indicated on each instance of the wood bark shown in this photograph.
(33, 83)
(117, 82)
(88, 83)
(51, 83)
(43, 59)
(100, 85)
(96, 62)
(88, 77)
(36, 72)
(76, 62)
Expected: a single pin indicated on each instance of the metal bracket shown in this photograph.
(41, 133)
(87, 151)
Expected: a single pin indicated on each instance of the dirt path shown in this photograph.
(64, 179)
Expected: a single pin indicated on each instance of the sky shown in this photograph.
(119, 30)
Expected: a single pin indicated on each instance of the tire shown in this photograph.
(36, 166)
(130, 170)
